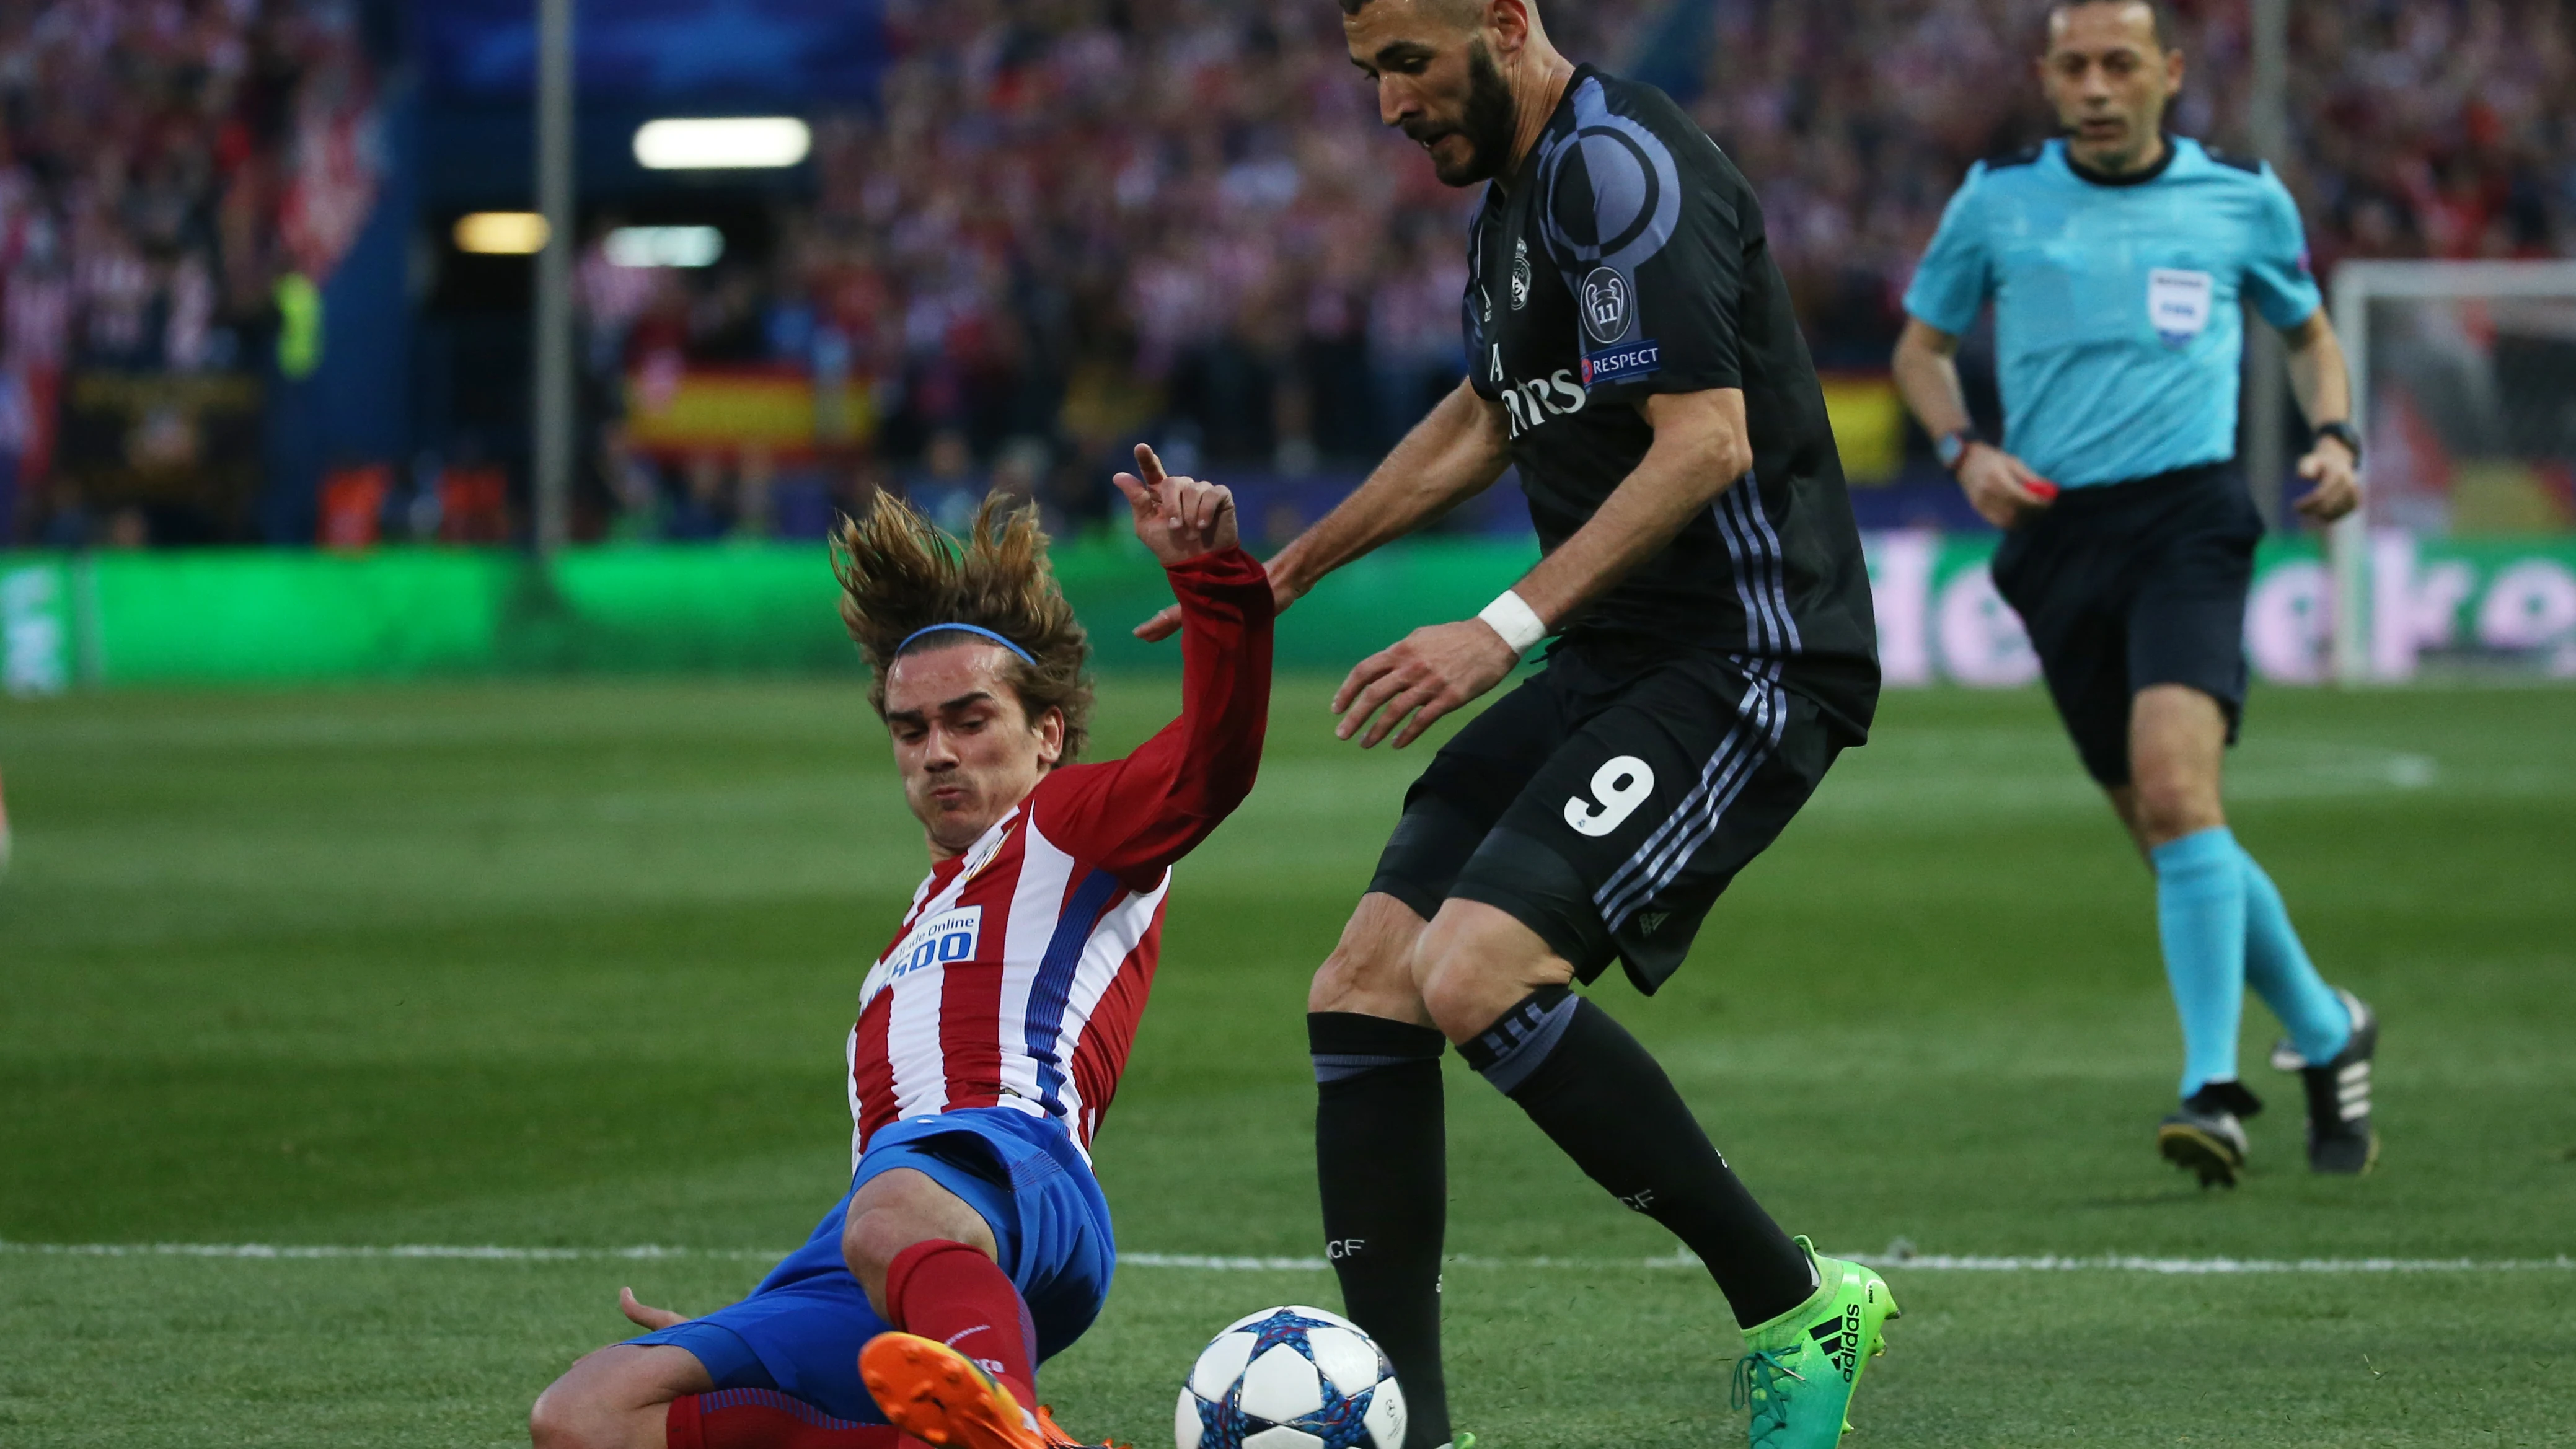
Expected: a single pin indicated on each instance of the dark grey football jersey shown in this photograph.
(1627, 258)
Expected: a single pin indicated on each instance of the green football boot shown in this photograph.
(1799, 1370)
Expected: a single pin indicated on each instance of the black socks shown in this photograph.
(1592, 1088)
(1381, 1160)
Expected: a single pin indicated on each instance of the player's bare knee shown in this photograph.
(1454, 997)
(1475, 962)
(870, 1242)
(2170, 801)
(1370, 970)
(560, 1419)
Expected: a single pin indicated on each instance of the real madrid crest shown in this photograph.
(1520, 275)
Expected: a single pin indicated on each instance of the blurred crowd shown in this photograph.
(164, 165)
(1072, 224)
(1064, 226)
(2420, 128)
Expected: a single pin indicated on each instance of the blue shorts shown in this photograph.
(800, 1331)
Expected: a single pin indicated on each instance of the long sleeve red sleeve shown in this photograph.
(1134, 817)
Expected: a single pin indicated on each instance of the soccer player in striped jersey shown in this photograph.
(973, 1243)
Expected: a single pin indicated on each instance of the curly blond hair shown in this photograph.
(901, 573)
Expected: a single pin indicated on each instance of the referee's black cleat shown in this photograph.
(2206, 1135)
(2340, 1139)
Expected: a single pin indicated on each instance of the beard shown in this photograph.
(1487, 123)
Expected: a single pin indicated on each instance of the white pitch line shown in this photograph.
(1920, 1262)
(487, 1252)
(1935, 1263)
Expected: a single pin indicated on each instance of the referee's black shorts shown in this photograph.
(2133, 584)
(1607, 801)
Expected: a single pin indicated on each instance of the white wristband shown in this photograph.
(1516, 621)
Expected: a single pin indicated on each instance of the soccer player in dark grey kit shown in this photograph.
(2118, 258)
(1632, 350)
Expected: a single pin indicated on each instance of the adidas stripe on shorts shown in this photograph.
(1607, 801)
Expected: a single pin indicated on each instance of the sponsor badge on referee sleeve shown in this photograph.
(2178, 303)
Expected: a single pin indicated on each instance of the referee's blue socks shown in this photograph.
(2224, 929)
(2200, 916)
(2278, 969)
(1596, 1092)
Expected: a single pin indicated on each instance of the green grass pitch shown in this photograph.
(569, 966)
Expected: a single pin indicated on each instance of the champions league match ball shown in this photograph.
(1291, 1378)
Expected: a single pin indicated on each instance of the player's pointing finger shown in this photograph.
(1149, 465)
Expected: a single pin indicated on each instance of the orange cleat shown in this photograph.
(943, 1398)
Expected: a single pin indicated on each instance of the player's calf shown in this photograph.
(1597, 1093)
(1381, 1158)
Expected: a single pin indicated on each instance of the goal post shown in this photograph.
(2464, 385)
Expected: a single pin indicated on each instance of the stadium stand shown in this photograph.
(1059, 227)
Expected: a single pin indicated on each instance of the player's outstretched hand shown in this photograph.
(2001, 487)
(1178, 518)
(645, 1315)
(1428, 673)
(2330, 466)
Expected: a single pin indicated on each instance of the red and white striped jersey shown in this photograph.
(1022, 967)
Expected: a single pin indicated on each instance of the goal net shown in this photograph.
(2462, 562)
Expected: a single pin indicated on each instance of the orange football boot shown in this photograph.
(943, 1398)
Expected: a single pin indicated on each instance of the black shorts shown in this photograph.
(1607, 801)
(2131, 584)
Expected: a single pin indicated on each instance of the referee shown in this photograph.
(1632, 351)
(2117, 257)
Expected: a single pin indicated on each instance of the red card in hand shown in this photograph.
(2044, 490)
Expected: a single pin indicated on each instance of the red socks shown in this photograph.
(950, 1292)
(768, 1419)
(939, 1290)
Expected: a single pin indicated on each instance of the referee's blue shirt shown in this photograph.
(2117, 321)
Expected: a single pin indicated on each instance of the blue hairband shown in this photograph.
(1025, 657)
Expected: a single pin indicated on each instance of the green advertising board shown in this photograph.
(39, 625)
(250, 616)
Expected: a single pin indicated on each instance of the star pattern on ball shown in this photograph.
(1286, 1326)
(1341, 1422)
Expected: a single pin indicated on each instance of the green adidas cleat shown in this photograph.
(1799, 1370)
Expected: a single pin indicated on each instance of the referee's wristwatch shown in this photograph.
(1952, 447)
(2342, 432)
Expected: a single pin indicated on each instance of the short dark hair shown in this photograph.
(1354, 7)
(2159, 18)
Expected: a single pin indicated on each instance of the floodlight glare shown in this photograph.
(664, 246)
(722, 143)
(501, 233)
